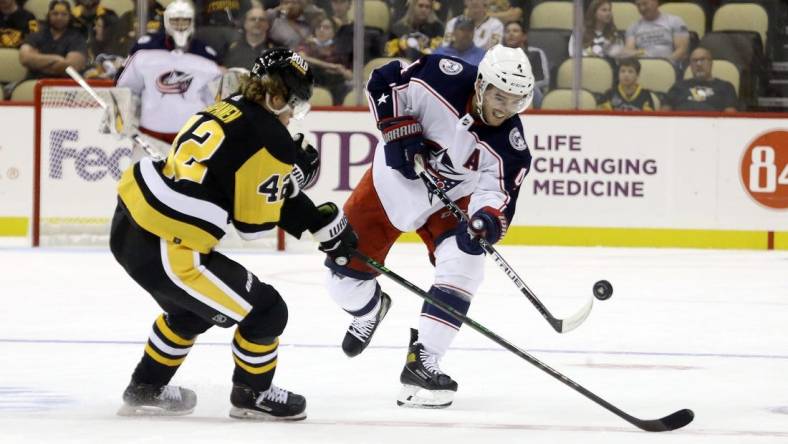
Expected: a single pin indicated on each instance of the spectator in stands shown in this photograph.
(289, 25)
(488, 31)
(221, 12)
(374, 38)
(244, 52)
(702, 92)
(49, 52)
(657, 34)
(106, 50)
(325, 60)
(628, 95)
(219, 22)
(341, 12)
(15, 24)
(128, 21)
(85, 14)
(600, 37)
(462, 43)
(516, 36)
(506, 10)
(419, 32)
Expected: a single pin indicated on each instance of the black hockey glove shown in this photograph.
(306, 168)
(487, 223)
(403, 142)
(336, 237)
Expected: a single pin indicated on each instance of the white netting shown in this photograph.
(81, 164)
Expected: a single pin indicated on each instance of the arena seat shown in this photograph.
(119, 6)
(625, 14)
(562, 99)
(658, 75)
(742, 17)
(38, 8)
(552, 14)
(321, 97)
(692, 14)
(376, 14)
(12, 70)
(24, 92)
(596, 76)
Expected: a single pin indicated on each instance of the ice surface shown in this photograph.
(706, 330)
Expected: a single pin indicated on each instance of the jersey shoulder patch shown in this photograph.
(449, 66)
(449, 78)
(516, 139)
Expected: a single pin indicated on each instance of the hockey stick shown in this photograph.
(559, 325)
(155, 155)
(673, 421)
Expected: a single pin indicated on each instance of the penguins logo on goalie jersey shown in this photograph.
(229, 163)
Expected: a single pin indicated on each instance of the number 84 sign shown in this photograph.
(764, 169)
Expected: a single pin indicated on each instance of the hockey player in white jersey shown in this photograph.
(464, 121)
(171, 73)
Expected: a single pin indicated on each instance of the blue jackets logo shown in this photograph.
(174, 82)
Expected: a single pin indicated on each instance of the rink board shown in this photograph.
(608, 180)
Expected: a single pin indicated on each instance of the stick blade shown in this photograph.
(575, 320)
(673, 421)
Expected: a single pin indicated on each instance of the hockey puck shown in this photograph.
(603, 290)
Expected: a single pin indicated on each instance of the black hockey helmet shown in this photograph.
(294, 72)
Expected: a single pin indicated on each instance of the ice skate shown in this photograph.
(274, 404)
(151, 400)
(360, 332)
(424, 385)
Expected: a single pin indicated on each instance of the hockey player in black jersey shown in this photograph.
(233, 162)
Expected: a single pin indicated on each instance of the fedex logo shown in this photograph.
(91, 163)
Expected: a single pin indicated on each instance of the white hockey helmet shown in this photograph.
(509, 70)
(180, 33)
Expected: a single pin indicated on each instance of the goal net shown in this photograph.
(78, 166)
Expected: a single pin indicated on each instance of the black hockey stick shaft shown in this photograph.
(559, 325)
(671, 422)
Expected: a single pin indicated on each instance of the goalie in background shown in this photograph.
(172, 74)
(234, 161)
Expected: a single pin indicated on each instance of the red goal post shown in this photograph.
(76, 167)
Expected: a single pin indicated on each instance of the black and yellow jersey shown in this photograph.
(616, 99)
(228, 164)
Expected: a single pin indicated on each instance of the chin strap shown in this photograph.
(271, 106)
(480, 100)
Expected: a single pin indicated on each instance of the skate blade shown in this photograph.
(146, 410)
(254, 415)
(412, 396)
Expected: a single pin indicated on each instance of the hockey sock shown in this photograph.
(358, 297)
(164, 353)
(255, 361)
(437, 328)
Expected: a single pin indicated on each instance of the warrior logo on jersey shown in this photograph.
(174, 82)
(516, 139)
(450, 67)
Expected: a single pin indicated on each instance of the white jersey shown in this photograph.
(466, 157)
(172, 86)
(486, 35)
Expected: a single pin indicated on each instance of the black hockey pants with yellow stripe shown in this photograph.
(197, 291)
